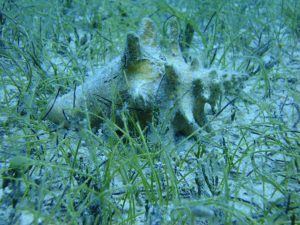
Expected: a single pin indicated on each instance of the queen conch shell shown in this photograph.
(146, 78)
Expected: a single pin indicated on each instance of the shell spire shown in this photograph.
(132, 49)
(173, 36)
(148, 32)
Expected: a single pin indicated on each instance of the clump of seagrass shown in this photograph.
(147, 78)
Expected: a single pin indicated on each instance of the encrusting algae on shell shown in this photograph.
(147, 78)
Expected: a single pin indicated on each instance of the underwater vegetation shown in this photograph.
(149, 112)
